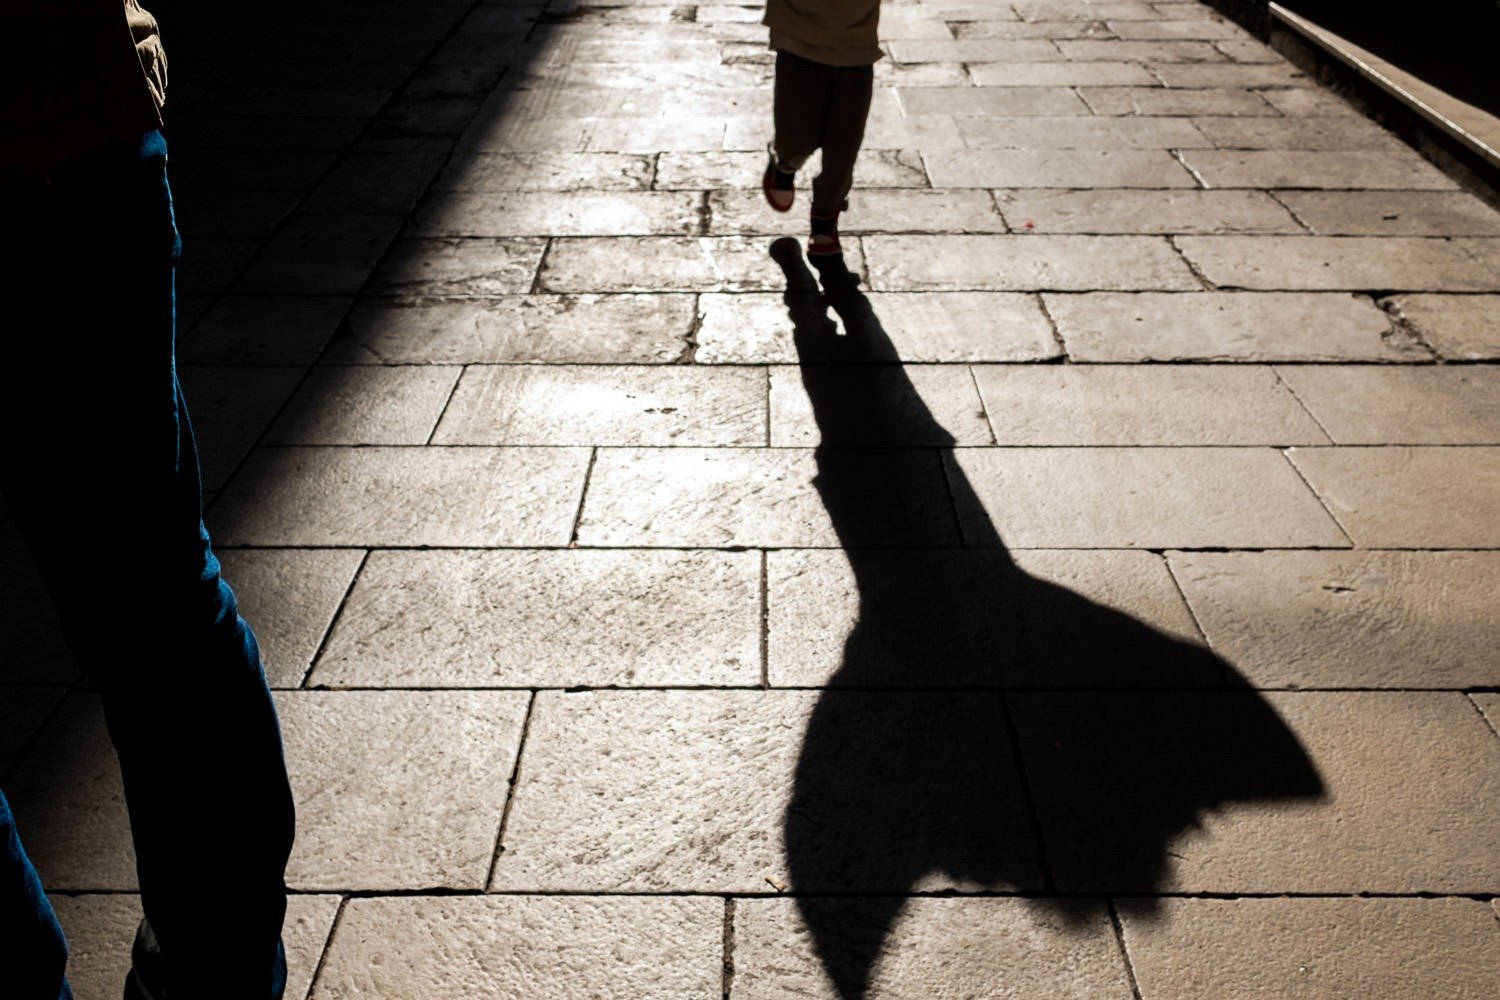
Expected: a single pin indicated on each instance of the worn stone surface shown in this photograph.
(1224, 326)
(1008, 101)
(229, 407)
(875, 211)
(459, 267)
(1394, 213)
(704, 264)
(571, 213)
(1457, 404)
(1128, 212)
(938, 948)
(933, 326)
(1489, 706)
(1304, 789)
(933, 619)
(100, 929)
(289, 597)
(1011, 263)
(609, 406)
(1148, 498)
(1142, 405)
(1079, 132)
(364, 404)
(1065, 74)
(629, 329)
(268, 330)
(1339, 262)
(946, 391)
(24, 709)
(888, 804)
(402, 496)
(1314, 948)
(69, 803)
(1460, 327)
(760, 497)
(547, 172)
(1229, 132)
(1282, 168)
(506, 946)
(1052, 168)
(885, 168)
(416, 778)
(1176, 101)
(1349, 619)
(548, 619)
(1409, 497)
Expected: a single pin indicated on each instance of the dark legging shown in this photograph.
(821, 107)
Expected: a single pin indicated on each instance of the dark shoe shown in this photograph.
(147, 979)
(824, 241)
(780, 186)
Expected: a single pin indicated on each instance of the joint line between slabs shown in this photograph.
(333, 929)
(1119, 929)
(510, 793)
(338, 612)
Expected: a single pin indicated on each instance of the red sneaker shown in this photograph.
(824, 240)
(779, 186)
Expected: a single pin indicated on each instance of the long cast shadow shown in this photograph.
(1128, 735)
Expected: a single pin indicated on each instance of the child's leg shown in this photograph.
(843, 131)
(800, 106)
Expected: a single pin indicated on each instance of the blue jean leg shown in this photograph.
(101, 473)
(27, 924)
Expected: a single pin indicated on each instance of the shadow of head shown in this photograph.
(986, 728)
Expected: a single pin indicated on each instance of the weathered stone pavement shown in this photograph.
(642, 629)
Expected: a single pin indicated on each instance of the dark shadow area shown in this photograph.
(1449, 44)
(1042, 743)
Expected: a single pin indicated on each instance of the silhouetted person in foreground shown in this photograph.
(101, 474)
(973, 696)
(826, 51)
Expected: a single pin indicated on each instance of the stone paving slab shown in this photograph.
(1461, 327)
(572, 213)
(547, 172)
(903, 619)
(1344, 262)
(291, 597)
(1399, 213)
(699, 171)
(229, 405)
(1008, 101)
(1225, 326)
(874, 211)
(459, 267)
(364, 404)
(892, 414)
(70, 805)
(606, 406)
(1282, 168)
(704, 264)
(1149, 498)
(1005, 263)
(1047, 168)
(1400, 497)
(1227, 75)
(1349, 619)
(939, 948)
(32, 649)
(1269, 792)
(1143, 405)
(1407, 405)
(1314, 948)
(1100, 133)
(265, 330)
(418, 779)
(734, 497)
(345, 497)
(1489, 706)
(1237, 102)
(508, 946)
(885, 797)
(1228, 132)
(558, 329)
(551, 619)
(100, 928)
(1126, 211)
(927, 327)
(24, 709)
(1066, 74)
